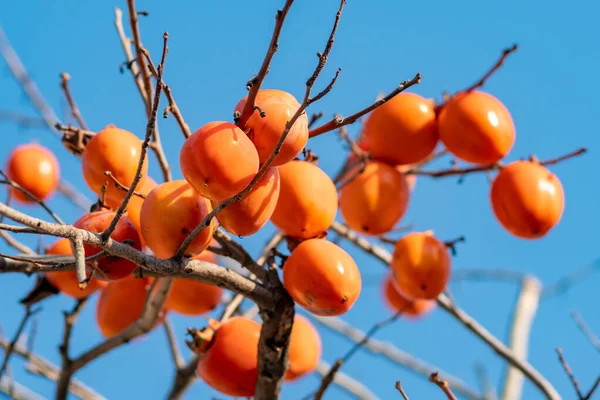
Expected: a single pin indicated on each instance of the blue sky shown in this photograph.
(550, 86)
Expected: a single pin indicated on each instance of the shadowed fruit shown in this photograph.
(115, 150)
(121, 303)
(109, 268)
(66, 281)
(476, 127)
(305, 349)
(396, 302)
(420, 266)
(230, 365)
(250, 214)
(527, 199)
(189, 297)
(375, 200)
(35, 169)
(402, 131)
(307, 202)
(169, 213)
(265, 132)
(218, 160)
(322, 277)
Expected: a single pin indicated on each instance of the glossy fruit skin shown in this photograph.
(192, 298)
(169, 213)
(375, 200)
(305, 349)
(66, 281)
(279, 107)
(527, 199)
(476, 127)
(134, 207)
(35, 169)
(249, 215)
(109, 268)
(116, 150)
(421, 266)
(402, 131)
(322, 278)
(230, 365)
(218, 160)
(396, 302)
(120, 304)
(308, 200)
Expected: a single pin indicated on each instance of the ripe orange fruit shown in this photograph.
(250, 214)
(115, 150)
(476, 127)
(120, 304)
(375, 200)
(402, 131)
(169, 213)
(66, 281)
(527, 199)
(134, 207)
(109, 268)
(396, 302)
(218, 160)
(305, 349)
(35, 169)
(421, 266)
(265, 132)
(307, 202)
(411, 179)
(322, 277)
(192, 298)
(230, 365)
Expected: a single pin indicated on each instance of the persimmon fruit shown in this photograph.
(115, 150)
(109, 268)
(321, 277)
(66, 281)
(218, 160)
(35, 169)
(421, 266)
(249, 215)
(396, 302)
(527, 199)
(476, 127)
(230, 365)
(134, 207)
(169, 214)
(305, 349)
(189, 297)
(402, 131)
(308, 200)
(265, 132)
(375, 199)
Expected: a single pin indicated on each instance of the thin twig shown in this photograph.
(346, 382)
(401, 390)
(21, 120)
(585, 329)
(71, 193)
(328, 379)
(8, 351)
(442, 384)
(569, 373)
(120, 186)
(64, 84)
(483, 80)
(137, 44)
(172, 339)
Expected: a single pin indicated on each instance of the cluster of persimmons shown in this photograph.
(221, 159)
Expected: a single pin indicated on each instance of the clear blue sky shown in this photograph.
(550, 86)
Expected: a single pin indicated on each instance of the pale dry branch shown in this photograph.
(585, 329)
(346, 382)
(64, 84)
(139, 57)
(173, 346)
(71, 193)
(17, 391)
(9, 350)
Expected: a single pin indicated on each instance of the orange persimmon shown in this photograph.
(420, 266)
(134, 207)
(527, 199)
(396, 302)
(250, 214)
(305, 349)
(218, 160)
(35, 169)
(278, 107)
(230, 365)
(115, 150)
(402, 131)
(375, 200)
(476, 127)
(321, 277)
(66, 281)
(169, 213)
(109, 268)
(308, 200)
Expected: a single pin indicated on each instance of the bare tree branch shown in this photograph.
(442, 384)
(569, 373)
(64, 84)
(347, 383)
(173, 346)
(594, 340)
(8, 350)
